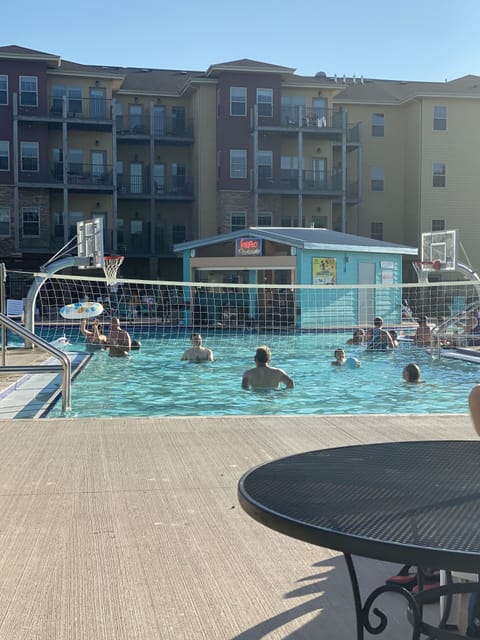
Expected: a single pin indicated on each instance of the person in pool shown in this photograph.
(379, 339)
(411, 373)
(119, 341)
(340, 358)
(95, 338)
(358, 337)
(197, 352)
(263, 376)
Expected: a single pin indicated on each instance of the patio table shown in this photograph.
(415, 503)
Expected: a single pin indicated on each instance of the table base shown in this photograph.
(415, 603)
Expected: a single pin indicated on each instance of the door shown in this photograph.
(366, 296)
(98, 166)
(159, 178)
(97, 103)
(135, 118)
(158, 121)
(319, 166)
(178, 178)
(136, 172)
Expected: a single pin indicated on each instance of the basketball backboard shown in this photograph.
(90, 243)
(441, 245)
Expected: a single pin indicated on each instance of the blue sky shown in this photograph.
(430, 40)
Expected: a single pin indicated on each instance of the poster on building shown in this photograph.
(324, 270)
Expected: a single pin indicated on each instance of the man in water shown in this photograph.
(119, 341)
(263, 376)
(379, 339)
(423, 334)
(197, 352)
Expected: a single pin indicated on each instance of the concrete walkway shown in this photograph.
(122, 529)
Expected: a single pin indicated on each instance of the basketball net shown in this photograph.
(423, 268)
(111, 265)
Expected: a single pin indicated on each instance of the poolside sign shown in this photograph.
(248, 247)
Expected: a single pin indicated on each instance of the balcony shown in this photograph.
(302, 118)
(167, 188)
(167, 129)
(91, 110)
(312, 183)
(84, 175)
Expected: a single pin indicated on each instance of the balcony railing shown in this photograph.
(170, 186)
(307, 182)
(301, 117)
(159, 127)
(83, 174)
(80, 108)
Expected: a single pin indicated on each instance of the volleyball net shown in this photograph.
(164, 309)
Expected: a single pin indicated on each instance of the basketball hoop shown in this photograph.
(424, 267)
(111, 265)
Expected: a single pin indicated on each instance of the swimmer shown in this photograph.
(95, 339)
(263, 376)
(394, 337)
(423, 334)
(411, 373)
(197, 352)
(379, 339)
(358, 337)
(119, 341)
(135, 345)
(340, 358)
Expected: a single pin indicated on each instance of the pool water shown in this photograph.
(154, 382)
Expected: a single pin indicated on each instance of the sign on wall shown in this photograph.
(248, 247)
(324, 270)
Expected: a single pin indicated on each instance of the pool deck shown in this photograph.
(122, 529)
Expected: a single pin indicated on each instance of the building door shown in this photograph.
(319, 166)
(159, 178)
(136, 181)
(366, 296)
(158, 121)
(97, 159)
(97, 104)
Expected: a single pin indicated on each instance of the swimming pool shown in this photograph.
(154, 382)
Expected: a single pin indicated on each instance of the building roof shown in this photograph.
(305, 238)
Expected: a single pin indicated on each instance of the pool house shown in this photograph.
(297, 276)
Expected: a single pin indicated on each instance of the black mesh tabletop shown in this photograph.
(409, 502)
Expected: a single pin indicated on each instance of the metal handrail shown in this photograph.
(65, 366)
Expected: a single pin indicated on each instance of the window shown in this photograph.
(264, 220)
(178, 233)
(238, 101)
(74, 100)
(377, 179)
(265, 102)
(238, 163)
(4, 155)
(439, 118)
(264, 163)
(31, 221)
(3, 89)
(178, 121)
(378, 125)
(376, 230)
(29, 156)
(238, 220)
(4, 221)
(28, 91)
(438, 225)
(439, 174)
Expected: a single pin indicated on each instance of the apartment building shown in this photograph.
(166, 156)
